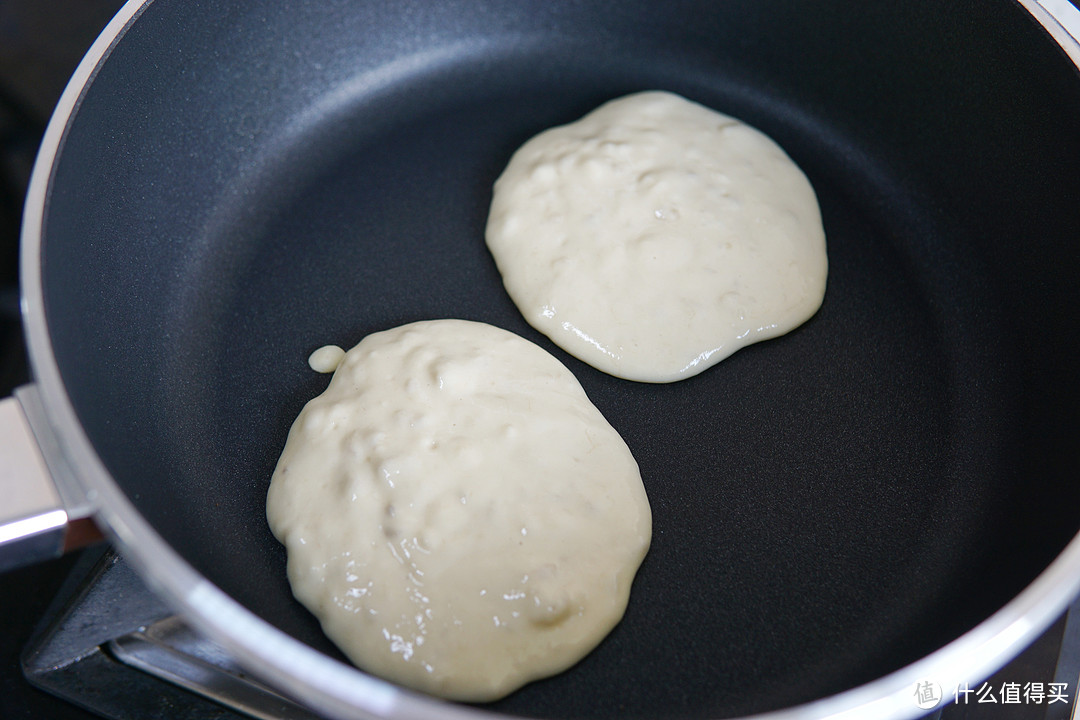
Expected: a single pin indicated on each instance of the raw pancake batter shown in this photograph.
(654, 237)
(457, 513)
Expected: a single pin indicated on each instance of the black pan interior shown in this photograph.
(243, 184)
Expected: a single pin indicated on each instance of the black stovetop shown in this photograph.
(41, 41)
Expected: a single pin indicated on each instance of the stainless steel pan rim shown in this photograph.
(342, 691)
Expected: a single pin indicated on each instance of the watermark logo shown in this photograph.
(927, 694)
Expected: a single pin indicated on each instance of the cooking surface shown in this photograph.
(828, 506)
(24, 594)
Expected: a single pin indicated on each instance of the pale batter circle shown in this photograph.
(457, 513)
(654, 237)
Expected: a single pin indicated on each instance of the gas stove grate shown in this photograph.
(107, 644)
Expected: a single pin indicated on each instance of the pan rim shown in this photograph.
(343, 691)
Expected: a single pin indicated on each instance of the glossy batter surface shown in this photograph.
(654, 237)
(457, 513)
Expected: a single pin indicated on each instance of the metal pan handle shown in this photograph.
(40, 518)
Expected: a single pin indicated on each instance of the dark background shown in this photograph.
(41, 41)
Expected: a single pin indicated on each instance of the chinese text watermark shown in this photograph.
(928, 694)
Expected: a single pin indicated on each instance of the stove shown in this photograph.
(82, 636)
(106, 644)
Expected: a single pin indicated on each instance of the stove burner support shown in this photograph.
(107, 644)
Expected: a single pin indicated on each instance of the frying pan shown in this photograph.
(886, 495)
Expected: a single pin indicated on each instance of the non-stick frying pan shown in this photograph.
(229, 185)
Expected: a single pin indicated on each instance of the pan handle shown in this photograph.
(40, 518)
